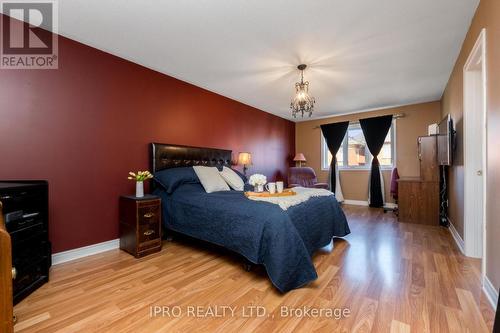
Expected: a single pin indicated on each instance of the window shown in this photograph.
(354, 153)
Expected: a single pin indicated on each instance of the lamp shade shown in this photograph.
(299, 157)
(245, 159)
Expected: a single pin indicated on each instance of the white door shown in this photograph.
(475, 149)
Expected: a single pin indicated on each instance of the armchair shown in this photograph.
(305, 177)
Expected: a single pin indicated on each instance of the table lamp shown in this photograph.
(299, 158)
(245, 159)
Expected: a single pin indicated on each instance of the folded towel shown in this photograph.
(303, 194)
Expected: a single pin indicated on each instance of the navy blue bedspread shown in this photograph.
(282, 241)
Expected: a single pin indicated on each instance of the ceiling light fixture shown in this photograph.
(302, 102)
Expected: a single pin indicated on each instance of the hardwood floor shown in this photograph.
(392, 277)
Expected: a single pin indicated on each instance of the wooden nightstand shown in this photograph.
(140, 225)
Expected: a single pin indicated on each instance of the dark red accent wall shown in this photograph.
(84, 126)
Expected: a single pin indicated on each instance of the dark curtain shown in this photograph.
(375, 130)
(334, 135)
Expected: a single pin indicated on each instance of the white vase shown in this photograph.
(139, 189)
(259, 188)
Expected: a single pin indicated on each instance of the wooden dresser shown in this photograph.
(7, 273)
(140, 225)
(418, 197)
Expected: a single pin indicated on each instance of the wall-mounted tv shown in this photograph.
(445, 141)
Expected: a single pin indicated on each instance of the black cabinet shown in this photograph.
(25, 209)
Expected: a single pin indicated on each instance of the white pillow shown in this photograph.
(232, 179)
(210, 179)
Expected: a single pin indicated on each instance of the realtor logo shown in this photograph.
(29, 35)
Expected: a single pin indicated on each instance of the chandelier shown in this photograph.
(302, 102)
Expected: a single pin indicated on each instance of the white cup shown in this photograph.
(271, 187)
(280, 186)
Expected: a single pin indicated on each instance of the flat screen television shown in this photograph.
(445, 141)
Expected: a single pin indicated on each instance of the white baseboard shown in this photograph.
(365, 203)
(356, 202)
(390, 205)
(454, 233)
(490, 292)
(65, 256)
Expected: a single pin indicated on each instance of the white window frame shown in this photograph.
(325, 166)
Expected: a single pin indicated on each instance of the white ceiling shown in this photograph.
(362, 54)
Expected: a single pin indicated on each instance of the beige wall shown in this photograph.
(487, 16)
(355, 182)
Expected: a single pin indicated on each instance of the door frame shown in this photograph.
(474, 228)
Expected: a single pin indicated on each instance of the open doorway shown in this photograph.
(475, 150)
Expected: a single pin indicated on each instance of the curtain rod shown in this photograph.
(355, 122)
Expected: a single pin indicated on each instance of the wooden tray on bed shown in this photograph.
(285, 193)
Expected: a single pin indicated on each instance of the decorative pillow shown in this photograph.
(171, 179)
(248, 187)
(242, 176)
(232, 179)
(210, 179)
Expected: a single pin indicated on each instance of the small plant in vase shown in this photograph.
(139, 178)
(257, 181)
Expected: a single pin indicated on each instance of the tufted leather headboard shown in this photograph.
(165, 156)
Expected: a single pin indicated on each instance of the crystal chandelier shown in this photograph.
(302, 102)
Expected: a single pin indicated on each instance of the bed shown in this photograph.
(283, 241)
